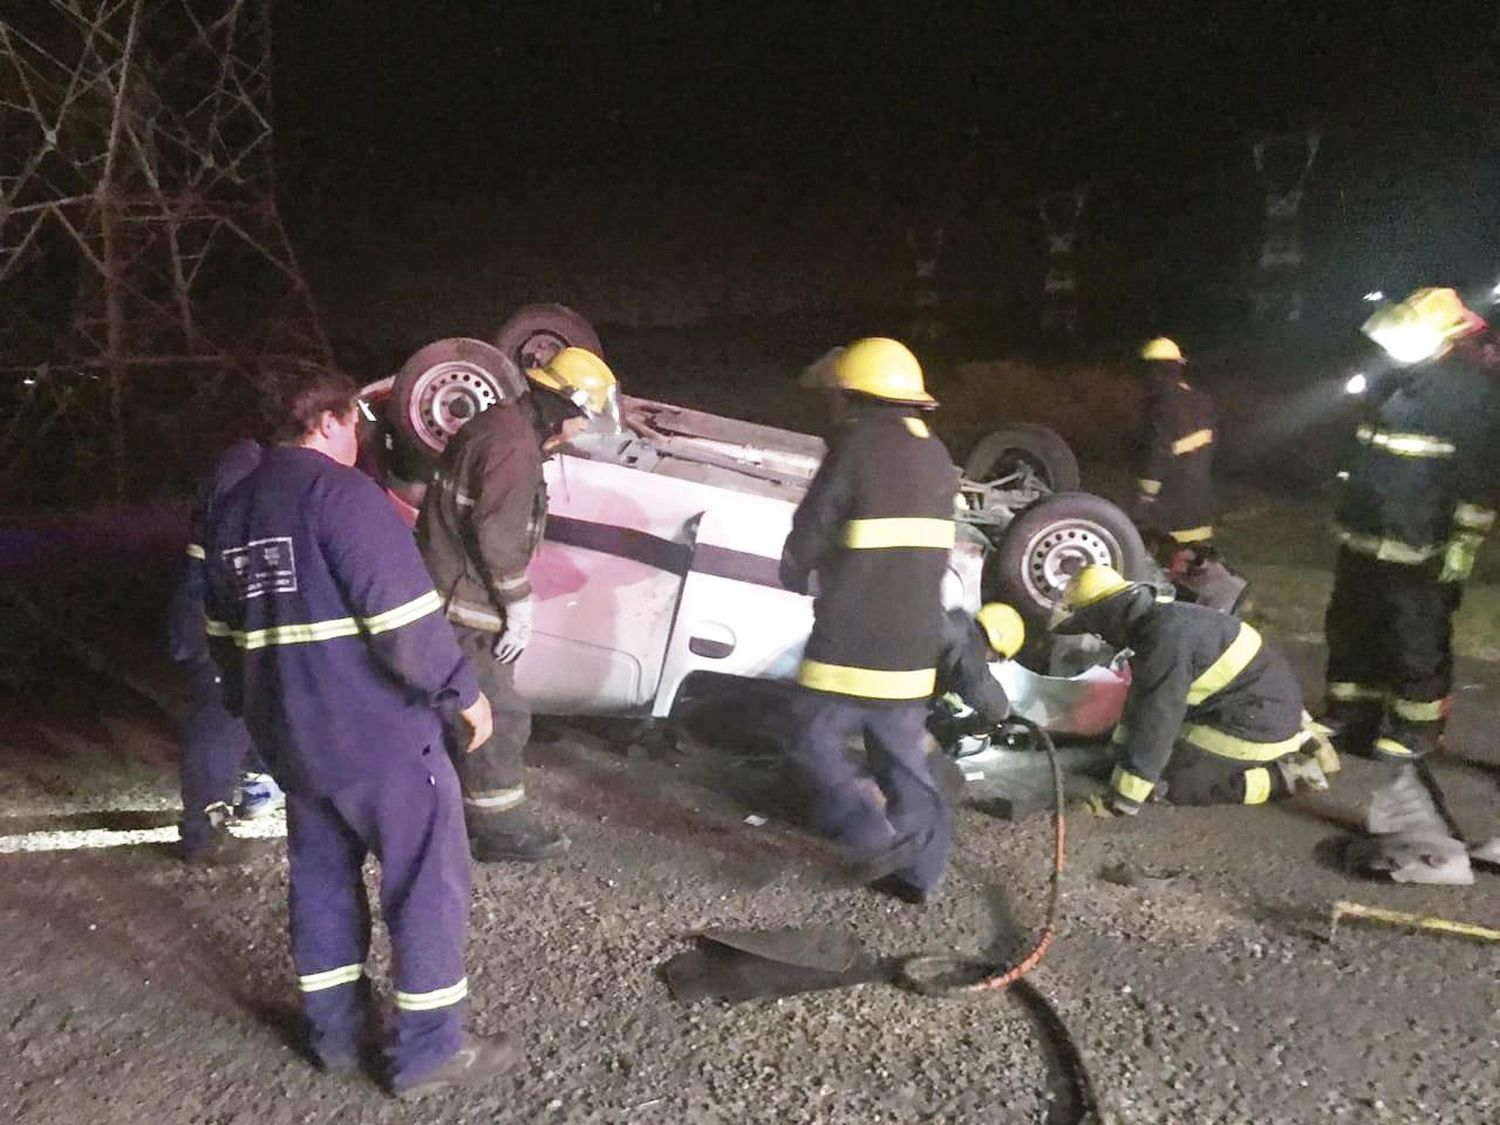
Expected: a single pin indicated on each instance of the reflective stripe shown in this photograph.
(916, 427)
(899, 531)
(438, 998)
(452, 488)
(1421, 710)
(1192, 534)
(1234, 660)
(1469, 516)
(1148, 487)
(867, 683)
(1392, 748)
(1241, 749)
(1129, 786)
(497, 800)
(1195, 440)
(1257, 785)
(506, 585)
(1387, 550)
(195, 551)
(330, 978)
(1406, 445)
(1120, 736)
(1347, 692)
(314, 631)
(471, 616)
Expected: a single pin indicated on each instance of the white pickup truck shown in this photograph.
(657, 579)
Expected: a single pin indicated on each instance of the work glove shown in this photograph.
(481, 722)
(1458, 560)
(516, 635)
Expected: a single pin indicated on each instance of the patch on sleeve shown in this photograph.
(263, 566)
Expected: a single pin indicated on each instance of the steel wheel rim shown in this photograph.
(1057, 552)
(447, 396)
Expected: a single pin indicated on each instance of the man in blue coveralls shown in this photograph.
(335, 650)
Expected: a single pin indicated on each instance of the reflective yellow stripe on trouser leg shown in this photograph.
(330, 978)
(438, 998)
(1257, 786)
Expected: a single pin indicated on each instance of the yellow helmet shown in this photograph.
(1163, 350)
(884, 369)
(1003, 628)
(1089, 586)
(582, 378)
(1423, 326)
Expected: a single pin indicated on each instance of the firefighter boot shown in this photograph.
(1409, 839)
(513, 836)
(480, 1058)
(1352, 726)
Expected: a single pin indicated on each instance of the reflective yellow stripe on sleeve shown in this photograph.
(1234, 660)
(1129, 786)
(1472, 517)
(1193, 441)
(867, 683)
(195, 551)
(438, 998)
(1387, 550)
(1148, 487)
(1240, 749)
(1257, 785)
(330, 978)
(899, 531)
(916, 427)
(1406, 445)
(314, 631)
(1192, 534)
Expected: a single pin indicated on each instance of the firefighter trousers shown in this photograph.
(411, 819)
(1195, 776)
(868, 812)
(215, 747)
(1390, 656)
(493, 777)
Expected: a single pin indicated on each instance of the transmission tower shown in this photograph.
(144, 268)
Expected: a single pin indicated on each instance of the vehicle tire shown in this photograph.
(442, 387)
(1047, 543)
(998, 454)
(536, 333)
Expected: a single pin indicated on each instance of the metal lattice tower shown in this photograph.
(144, 268)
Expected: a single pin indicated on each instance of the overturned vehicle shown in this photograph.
(656, 584)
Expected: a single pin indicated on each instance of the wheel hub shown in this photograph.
(1060, 551)
(539, 348)
(447, 396)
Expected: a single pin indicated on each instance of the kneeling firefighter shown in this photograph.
(1214, 714)
(970, 701)
(877, 527)
(480, 526)
(1420, 498)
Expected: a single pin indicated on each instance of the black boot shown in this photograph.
(514, 836)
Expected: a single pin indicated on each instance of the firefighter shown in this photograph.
(334, 648)
(1419, 500)
(876, 527)
(479, 528)
(970, 699)
(1173, 457)
(1214, 714)
(215, 745)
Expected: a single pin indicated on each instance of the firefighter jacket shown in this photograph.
(877, 527)
(1426, 464)
(1196, 675)
(964, 668)
(484, 515)
(186, 640)
(1173, 460)
(325, 623)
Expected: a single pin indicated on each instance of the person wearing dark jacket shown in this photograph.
(480, 525)
(969, 645)
(214, 745)
(876, 528)
(333, 647)
(1420, 497)
(1174, 456)
(1214, 714)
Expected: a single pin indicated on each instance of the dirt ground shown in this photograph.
(133, 990)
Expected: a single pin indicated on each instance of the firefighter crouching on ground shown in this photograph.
(1419, 500)
(1214, 714)
(1174, 505)
(970, 699)
(480, 525)
(334, 648)
(876, 526)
